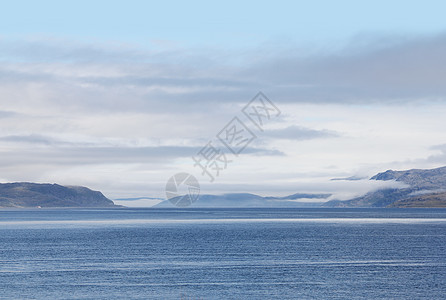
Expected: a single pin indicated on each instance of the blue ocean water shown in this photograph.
(223, 254)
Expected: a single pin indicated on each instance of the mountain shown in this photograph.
(25, 194)
(417, 178)
(426, 200)
(252, 200)
(425, 188)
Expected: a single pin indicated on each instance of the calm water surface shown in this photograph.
(223, 254)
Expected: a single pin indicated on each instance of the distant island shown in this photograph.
(27, 195)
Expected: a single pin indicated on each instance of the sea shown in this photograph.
(264, 253)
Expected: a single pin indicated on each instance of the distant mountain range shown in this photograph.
(26, 194)
(252, 200)
(426, 188)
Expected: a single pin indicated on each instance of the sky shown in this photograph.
(121, 95)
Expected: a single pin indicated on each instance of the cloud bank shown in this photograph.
(144, 112)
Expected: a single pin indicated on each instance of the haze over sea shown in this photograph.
(222, 253)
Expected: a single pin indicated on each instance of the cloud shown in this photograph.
(75, 155)
(127, 78)
(378, 70)
(299, 133)
(74, 111)
(439, 157)
(62, 50)
(7, 114)
(28, 139)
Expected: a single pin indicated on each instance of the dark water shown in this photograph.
(223, 254)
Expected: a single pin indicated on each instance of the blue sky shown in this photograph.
(223, 24)
(118, 96)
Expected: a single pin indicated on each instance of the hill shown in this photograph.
(26, 194)
(427, 200)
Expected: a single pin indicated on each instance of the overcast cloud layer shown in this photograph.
(123, 119)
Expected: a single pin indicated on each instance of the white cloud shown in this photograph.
(123, 120)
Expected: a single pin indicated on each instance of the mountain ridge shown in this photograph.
(238, 200)
(426, 188)
(28, 194)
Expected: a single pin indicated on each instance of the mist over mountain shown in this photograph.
(252, 200)
(426, 188)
